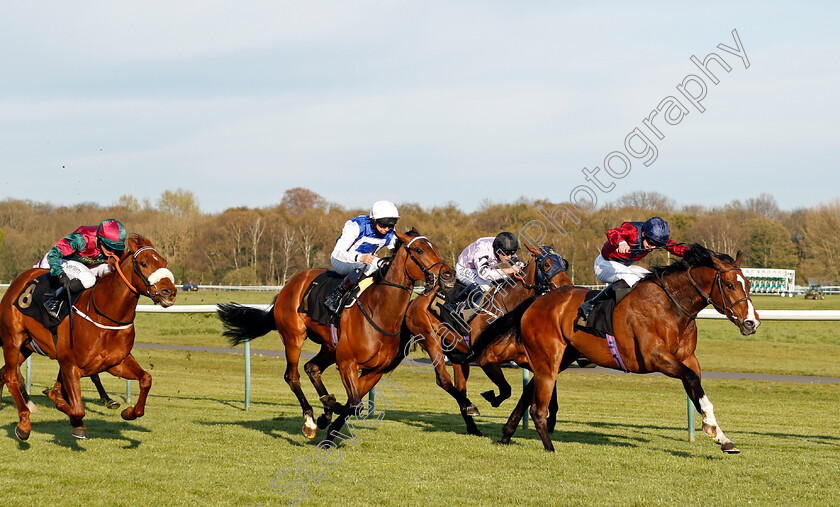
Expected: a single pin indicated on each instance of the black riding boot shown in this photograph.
(56, 301)
(587, 306)
(334, 301)
(53, 304)
(454, 309)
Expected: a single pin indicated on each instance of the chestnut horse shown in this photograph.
(101, 338)
(655, 331)
(369, 331)
(546, 271)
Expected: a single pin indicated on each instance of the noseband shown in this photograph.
(153, 295)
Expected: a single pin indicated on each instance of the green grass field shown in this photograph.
(621, 439)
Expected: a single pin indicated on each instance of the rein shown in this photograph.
(728, 305)
(727, 308)
(92, 301)
(382, 281)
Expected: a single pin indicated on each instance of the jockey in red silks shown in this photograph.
(80, 257)
(626, 245)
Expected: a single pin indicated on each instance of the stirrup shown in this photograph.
(53, 307)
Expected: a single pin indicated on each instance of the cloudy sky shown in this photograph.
(426, 102)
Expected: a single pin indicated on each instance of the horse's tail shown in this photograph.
(505, 326)
(245, 323)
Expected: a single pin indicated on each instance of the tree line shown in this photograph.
(268, 245)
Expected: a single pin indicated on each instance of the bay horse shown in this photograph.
(101, 338)
(368, 342)
(655, 331)
(546, 270)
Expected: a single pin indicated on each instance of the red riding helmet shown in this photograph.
(112, 234)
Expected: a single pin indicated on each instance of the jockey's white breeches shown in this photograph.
(612, 271)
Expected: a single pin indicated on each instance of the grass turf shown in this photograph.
(620, 439)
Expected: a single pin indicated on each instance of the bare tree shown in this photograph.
(255, 231)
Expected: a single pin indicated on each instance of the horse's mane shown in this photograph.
(134, 243)
(380, 274)
(696, 256)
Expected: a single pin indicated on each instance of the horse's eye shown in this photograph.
(546, 265)
(418, 251)
(143, 263)
(730, 286)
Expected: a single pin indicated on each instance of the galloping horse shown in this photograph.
(101, 339)
(369, 339)
(546, 271)
(655, 331)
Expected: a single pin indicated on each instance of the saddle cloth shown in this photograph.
(30, 301)
(312, 303)
(600, 321)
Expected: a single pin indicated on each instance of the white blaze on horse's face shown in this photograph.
(159, 275)
(751, 316)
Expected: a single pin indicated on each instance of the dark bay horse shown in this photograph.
(369, 340)
(101, 339)
(546, 270)
(655, 331)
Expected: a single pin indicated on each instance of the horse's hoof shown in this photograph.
(729, 448)
(309, 432)
(111, 404)
(79, 432)
(128, 414)
(22, 435)
(471, 410)
(476, 433)
(500, 442)
(323, 421)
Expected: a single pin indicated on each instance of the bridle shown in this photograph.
(153, 295)
(430, 281)
(430, 277)
(542, 279)
(728, 305)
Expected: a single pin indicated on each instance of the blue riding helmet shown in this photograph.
(656, 231)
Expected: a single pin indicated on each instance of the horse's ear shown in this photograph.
(738, 258)
(533, 250)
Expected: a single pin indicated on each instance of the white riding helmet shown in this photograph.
(384, 211)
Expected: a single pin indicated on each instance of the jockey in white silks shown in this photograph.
(355, 250)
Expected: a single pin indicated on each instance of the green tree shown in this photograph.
(179, 203)
(821, 235)
(768, 244)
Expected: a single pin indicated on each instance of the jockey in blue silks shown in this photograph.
(355, 250)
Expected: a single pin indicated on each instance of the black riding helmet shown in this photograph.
(505, 243)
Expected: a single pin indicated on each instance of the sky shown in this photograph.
(426, 102)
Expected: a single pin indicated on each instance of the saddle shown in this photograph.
(466, 311)
(600, 321)
(30, 302)
(312, 303)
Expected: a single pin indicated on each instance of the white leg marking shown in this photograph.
(708, 411)
(310, 422)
